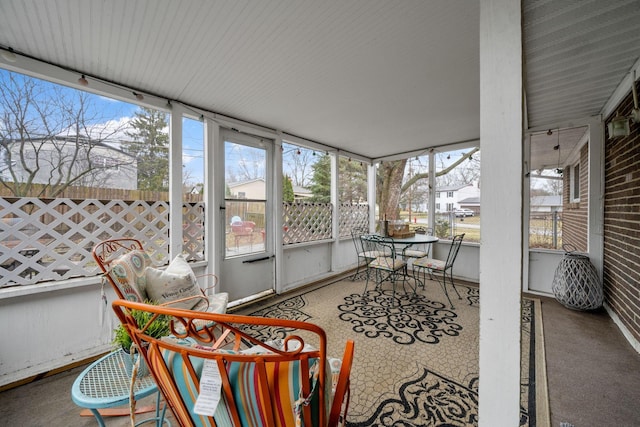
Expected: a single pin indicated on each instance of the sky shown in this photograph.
(110, 115)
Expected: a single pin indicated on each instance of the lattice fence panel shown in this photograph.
(353, 215)
(306, 222)
(51, 239)
(193, 231)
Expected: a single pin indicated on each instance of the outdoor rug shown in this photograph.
(416, 360)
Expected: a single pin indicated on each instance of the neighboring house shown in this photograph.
(542, 205)
(472, 203)
(110, 166)
(301, 193)
(448, 198)
(253, 189)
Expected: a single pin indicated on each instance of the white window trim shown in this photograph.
(574, 198)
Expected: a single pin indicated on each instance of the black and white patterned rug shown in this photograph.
(416, 359)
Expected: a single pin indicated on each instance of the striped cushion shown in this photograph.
(434, 264)
(284, 389)
(128, 273)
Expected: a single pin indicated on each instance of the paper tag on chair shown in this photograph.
(210, 389)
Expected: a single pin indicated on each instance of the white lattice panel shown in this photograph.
(51, 239)
(193, 231)
(306, 222)
(353, 215)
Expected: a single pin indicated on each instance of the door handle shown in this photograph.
(264, 258)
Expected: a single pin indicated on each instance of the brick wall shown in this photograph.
(622, 224)
(575, 215)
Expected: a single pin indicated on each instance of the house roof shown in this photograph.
(546, 201)
(470, 201)
(301, 191)
(112, 145)
(453, 187)
(334, 72)
(240, 183)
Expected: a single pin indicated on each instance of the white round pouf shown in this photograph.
(576, 284)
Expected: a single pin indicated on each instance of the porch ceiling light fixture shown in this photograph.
(556, 147)
(635, 113)
(618, 126)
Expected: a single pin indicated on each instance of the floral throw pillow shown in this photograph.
(128, 273)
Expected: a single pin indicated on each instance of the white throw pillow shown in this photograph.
(174, 283)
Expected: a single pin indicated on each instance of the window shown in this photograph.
(574, 183)
(437, 206)
(121, 146)
(457, 176)
(193, 187)
(438, 195)
(307, 208)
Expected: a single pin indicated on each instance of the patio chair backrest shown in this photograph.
(356, 233)
(275, 381)
(453, 250)
(384, 247)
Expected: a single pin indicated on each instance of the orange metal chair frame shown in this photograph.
(152, 348)
(107, 251)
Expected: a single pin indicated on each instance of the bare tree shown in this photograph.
(391, 183)
(52, 138)
(298, 164)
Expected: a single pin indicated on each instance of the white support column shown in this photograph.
(371, 195)
(335, 201)
(212, 244)
(276, 230)
(501, 131)
(432, 192)
(175, 181)
(596, 194)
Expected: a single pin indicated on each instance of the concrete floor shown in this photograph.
(593, 372)
(593, 377)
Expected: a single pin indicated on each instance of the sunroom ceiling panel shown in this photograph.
(576, 54)
(369, 76)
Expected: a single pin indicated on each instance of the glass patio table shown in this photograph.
(418, 239)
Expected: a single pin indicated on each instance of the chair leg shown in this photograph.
(366, 284)
(453, 285)
(444, 287)
(355, 275)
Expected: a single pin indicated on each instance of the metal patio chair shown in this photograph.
(363, 254)
(288, 381)
(432, 265)
(386, 265)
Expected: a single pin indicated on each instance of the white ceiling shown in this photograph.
(373, 77)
